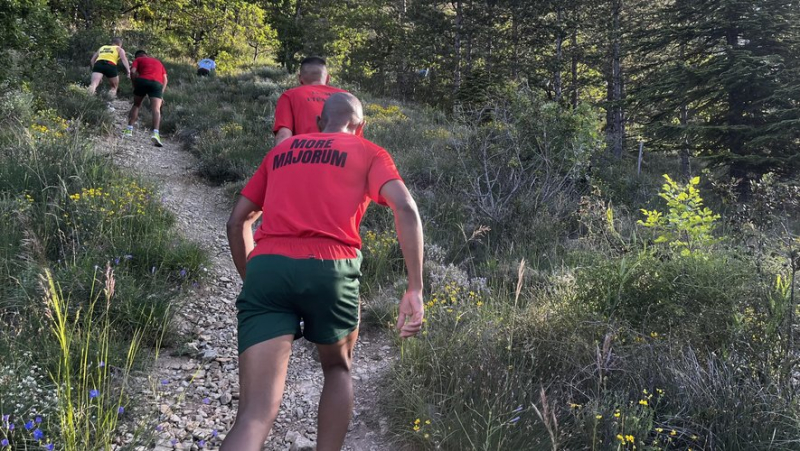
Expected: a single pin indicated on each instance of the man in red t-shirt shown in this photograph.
(299, 108)
(150, 80)
(313, 190)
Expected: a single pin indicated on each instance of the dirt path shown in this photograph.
(198, 387)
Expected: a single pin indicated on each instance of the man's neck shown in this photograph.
(314, 83)
(342, 129)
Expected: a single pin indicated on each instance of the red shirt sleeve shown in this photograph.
(283, 114)
(163, 73)
(381, 170)
(256, 189)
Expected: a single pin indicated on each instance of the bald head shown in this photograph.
(342, 112)
(313, 71)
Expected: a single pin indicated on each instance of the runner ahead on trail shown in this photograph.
(149, 79)
(104, 63)
(298, 108)
(313, 190)
(205, 66)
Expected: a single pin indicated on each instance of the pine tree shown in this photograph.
(725, 85)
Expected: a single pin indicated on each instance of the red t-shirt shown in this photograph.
(149, 68)
(313, 190)
(298, 108)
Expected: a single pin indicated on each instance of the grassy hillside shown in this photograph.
(90, 269)
(554, 318)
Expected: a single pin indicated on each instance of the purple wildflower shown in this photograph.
(201, 444)
(121, 410)
(165, 382)
(214, 433)
(514, 420)
(183, 273)
(174, 441)
(93, 394)
(102, 364)
(38, 434)
(50, 447)
(158, 428)
(518, 409)
(116, 261)
(4, 442)
(38, 420)
(5, 418)
(206, 400)
(11, 426)
(29, 425)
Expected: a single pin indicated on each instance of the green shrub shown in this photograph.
(673, 297)
(686, 226)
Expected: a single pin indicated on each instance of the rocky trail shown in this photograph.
(195, 386)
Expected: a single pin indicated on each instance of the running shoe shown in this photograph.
(127, 133)
(156, 138)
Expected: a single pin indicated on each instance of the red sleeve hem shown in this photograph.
(381, 200)
(249, 196)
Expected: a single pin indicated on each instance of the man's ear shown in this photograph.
(300, 79)
(327, 78)
(360, 128)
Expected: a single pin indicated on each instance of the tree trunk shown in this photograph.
(457, 46)
(734, 117)
(575, 87)
(515, 44)
(615, 119)
(557, 86)
(686, 170)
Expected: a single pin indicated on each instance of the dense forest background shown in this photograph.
(715, 79)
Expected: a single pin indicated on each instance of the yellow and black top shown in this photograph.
(108, 53)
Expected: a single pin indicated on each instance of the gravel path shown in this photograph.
(197, 388)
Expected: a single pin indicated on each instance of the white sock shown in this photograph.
(155, 130)
(130, 127)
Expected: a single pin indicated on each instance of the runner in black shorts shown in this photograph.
(149, 80)
(104, 64)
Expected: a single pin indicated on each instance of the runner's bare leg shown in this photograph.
(336, 402)
(97, 78)
(112, 91)
(133, 116)
(155, 107)
(262, 378)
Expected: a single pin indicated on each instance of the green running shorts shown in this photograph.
(279, 292)
(143, 87)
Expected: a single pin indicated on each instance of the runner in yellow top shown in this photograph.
(104, 63)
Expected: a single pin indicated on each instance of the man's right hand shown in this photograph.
(409, 319)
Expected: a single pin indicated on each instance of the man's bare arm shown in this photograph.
(240, 232)
(124, 58)
(409, 234)
(94, 58)
(164, 86)
(283, 133)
